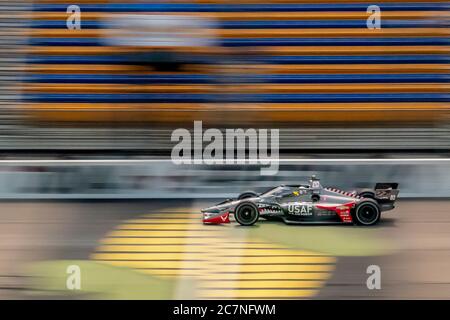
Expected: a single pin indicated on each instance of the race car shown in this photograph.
(308, 203)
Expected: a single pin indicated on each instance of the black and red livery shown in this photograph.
(308, 203)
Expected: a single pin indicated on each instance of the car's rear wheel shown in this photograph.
(367, 194)
(367, 213)
(246, 214)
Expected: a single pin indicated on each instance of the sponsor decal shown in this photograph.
(300, 209)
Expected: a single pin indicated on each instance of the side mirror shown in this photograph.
(315, 197)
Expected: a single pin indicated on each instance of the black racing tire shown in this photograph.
(246, 213)
(367, 193)
(367, 213)
(247, 194)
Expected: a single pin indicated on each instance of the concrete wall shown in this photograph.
(142, 179)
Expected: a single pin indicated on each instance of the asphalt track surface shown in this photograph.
(411, 245)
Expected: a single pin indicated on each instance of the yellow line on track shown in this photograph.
(155, 240)
(264, 284)
(199, 255)
(149, 248)
(170, 215)
(162, 233)
(223, 263)
(257, 294)
(171, 226)
(266, 276)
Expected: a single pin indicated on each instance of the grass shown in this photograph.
(98, 281)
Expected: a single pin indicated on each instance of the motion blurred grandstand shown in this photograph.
(309, 67)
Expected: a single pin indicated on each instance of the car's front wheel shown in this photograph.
(367, 213)
(246, 214)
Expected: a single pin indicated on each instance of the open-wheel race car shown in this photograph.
(308, 203)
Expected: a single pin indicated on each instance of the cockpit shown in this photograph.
(297, 189)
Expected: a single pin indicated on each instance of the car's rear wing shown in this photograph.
(386, 192)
